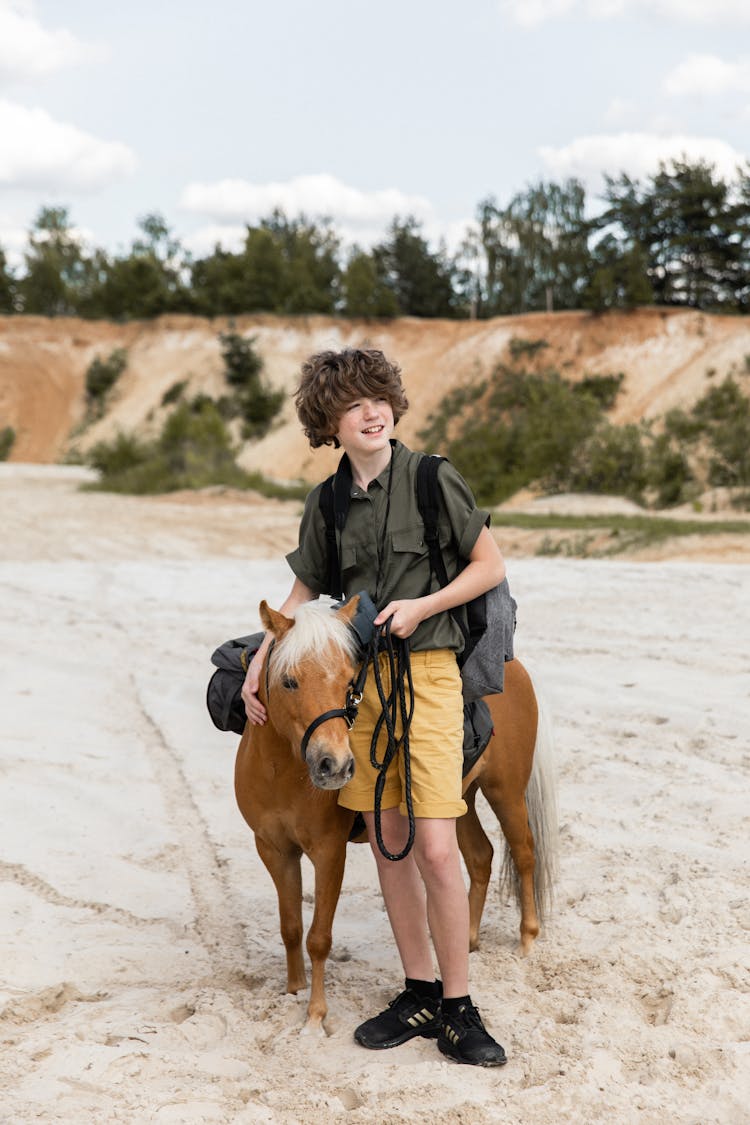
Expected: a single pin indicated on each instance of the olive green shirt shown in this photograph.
(382, 548)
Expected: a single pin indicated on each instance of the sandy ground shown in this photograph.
(143, 975)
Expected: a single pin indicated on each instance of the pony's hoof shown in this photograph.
(314, 1028)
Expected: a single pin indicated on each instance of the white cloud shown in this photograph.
(28, 50)
(320, 195)
(532, 13)
(202, 242)
(708, 75)
(620, 111)
(358, 217)
(13, 239)
(637, 154)
(38, 152)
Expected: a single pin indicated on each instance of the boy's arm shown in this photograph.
(256, 712)
(485, 569)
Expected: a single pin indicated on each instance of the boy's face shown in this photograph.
(366, 425)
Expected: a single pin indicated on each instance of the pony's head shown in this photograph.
(308, 673)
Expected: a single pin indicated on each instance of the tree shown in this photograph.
(147, 281)
(285, 266)
(534, 251)
(55, 266)
(364, 291)
(690, 227)
(7, 286)
(422, 281)
(619, 277)
(310, 253)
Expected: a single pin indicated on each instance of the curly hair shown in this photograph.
(330, 381)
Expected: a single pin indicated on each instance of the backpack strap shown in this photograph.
(428, 502)
(334, 500)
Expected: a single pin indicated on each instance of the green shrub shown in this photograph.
(435, 433)
(527, 429)
(174, 393)
(604, 388)
(256, 404)
(611, 460)
(193, 450)
(7, 440)
(724, 415)
(668, 470)
(101, 376)
(112, 459)
(518, 347)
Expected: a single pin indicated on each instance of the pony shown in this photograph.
(288, 772)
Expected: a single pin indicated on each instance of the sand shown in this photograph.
(143, 975)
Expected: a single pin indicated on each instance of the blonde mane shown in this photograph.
(316, 629)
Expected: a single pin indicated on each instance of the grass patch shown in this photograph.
(604, 536)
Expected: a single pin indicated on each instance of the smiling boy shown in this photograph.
(353, 399)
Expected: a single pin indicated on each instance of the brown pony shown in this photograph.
(288, 772)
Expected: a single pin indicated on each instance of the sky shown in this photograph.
(212, 114)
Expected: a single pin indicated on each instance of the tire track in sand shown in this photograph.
(218, 929)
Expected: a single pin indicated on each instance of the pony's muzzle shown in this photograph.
(329, 770)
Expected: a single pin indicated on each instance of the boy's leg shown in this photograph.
(416, 1010)
(438, 859)
(425, 896)
(403, 894)
(441, 911)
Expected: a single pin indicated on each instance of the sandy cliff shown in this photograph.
(668, 357)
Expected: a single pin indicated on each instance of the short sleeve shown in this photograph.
(309, 562)
(466, 519)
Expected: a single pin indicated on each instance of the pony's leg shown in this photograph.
(512, 813)
(477, 852)
(328, 859)
(285, 870)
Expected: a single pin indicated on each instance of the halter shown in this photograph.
(348, 713)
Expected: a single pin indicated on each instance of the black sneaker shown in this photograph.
(406, 1016)
(463, 1037)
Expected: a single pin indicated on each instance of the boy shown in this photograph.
(354, 399)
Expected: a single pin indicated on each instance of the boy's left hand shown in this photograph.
(406, 614)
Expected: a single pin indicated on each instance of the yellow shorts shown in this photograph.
(435, 741)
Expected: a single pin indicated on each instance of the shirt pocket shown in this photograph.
(409, 541)
(348, 558)
(412, 540)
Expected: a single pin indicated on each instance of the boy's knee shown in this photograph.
(437, 856)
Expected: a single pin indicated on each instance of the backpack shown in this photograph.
(487, 622)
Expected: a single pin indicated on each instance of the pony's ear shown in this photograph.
(274, 621)
(347, 612)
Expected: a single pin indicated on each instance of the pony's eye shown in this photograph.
(289, 683)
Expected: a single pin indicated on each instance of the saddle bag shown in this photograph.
(223, 697)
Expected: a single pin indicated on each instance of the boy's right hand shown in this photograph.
(256, 712)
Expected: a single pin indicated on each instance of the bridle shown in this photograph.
(348, 712)
(391, 707)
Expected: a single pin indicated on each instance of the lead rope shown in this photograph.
(391, 707)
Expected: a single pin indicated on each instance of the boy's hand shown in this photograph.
(256, 712)
(406, 614)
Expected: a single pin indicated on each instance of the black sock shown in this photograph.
(430, 989)
(453, 1004)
